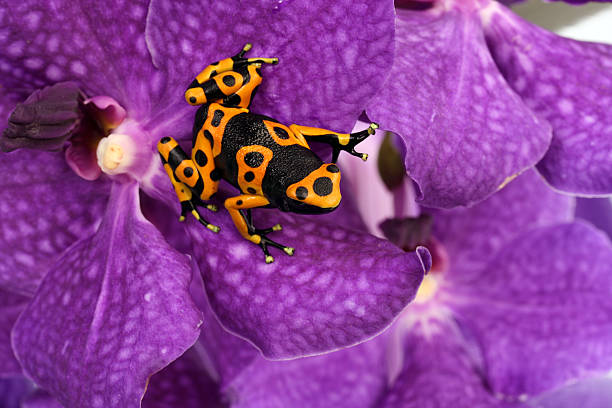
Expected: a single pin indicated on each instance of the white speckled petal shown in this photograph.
(471, 236)
(568, 83)
(11, 305)
(44, 208)
(465, 130)
(341, 287)
(541, 310)
(348, 378)
(333, 55)
(100, 45)
(113, 310)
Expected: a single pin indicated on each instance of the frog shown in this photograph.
(270, 163)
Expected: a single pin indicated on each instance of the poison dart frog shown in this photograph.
(270, 163)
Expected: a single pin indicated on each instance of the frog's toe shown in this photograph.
(266, 242)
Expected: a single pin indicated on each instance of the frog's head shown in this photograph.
(318, 192)
(194, 95)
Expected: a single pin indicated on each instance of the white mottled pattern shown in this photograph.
(333, 56)
(44, 208)
(88, 335)
(568, 83)
(464, 128)
(341, 287)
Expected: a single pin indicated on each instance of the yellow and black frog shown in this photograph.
(270, 163)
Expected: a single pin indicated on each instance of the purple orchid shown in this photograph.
(492, 95)
(502, 323)
(101, 295)
(95, 285)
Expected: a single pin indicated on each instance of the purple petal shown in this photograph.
(472, 236)
(333, 56)
(541, 309)
(100, 45)
(11, 305)
(597, 211)
(353, 377)
(229, 354)
(185, 383)
(569, 84)
(44, 208)
(438, 372)
(114, 309)
(13, 391)
(465, 130)
(40, 399)
(341, 287)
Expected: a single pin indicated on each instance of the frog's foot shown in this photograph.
(264, 242)
(259, 237)
(187, 207)
(354, 140)
(240, 60)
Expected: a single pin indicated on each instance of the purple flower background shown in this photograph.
(104, 295)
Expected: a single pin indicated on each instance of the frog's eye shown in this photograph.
(195, 96)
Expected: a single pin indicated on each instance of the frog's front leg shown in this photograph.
(338, 141)
(223, 80)
(186, 180)
(245, 227)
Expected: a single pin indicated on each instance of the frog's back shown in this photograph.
(261, 156)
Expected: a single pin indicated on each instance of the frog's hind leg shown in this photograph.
(338, 141)
(244, 224)
(185, 179)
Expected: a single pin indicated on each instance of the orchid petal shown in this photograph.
(113, 309)
(465, 130)
(472, 236)
(44, 208)
(341, 287)
(353, 377)
(11, 305)
(229, 354)
(185, 383)
(87, 41)
(569, 84)
(553, 287)
(438, 372)
(333, 56)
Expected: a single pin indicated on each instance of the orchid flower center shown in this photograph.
(126, 150)
(115, 153)
(427, 290)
